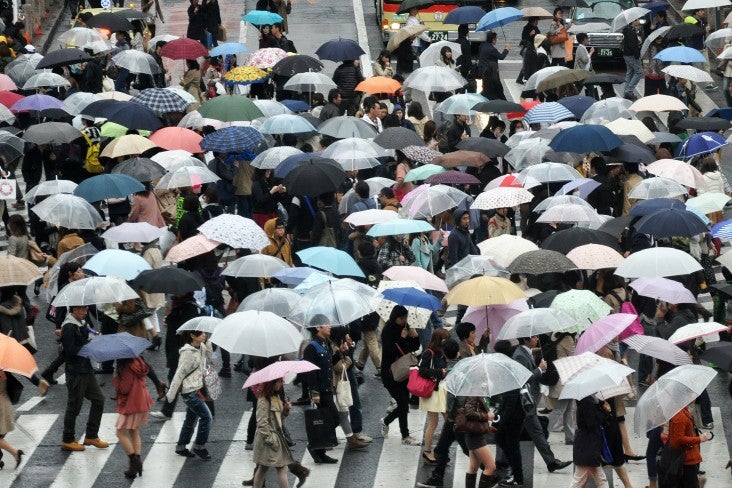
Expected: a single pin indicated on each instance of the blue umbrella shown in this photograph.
(101, 187)
(722, 113)
(577, 104)
(116, 262)
(400, 226)
(330, 259)
(228, 48)
(294, 276)
(464, 15)
(291, 162)
(412, 297)
(286, 124)
(498, 18)
(647, 207)
(680, 54)
(128, 114)
(232, 139)
(671, 222)
(114, 346)
(585, 138)
(340, 50)
(550, 112)
(296, 105)
(722, 230)
(701, 143)
(262, 17)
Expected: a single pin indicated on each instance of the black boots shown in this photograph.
(132, 469)
(488, 481)
(470, 480)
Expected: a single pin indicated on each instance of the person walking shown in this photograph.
(188, 379)
(683, 434)
(587, 449)
(631, 46)
(433, 365)
(508, 433)
(270, 446)
(476, 411)
(133, 406)
(7, 420)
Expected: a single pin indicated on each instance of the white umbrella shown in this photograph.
(168, 158)
(550, 202)
(471, 266)
(537, 77)
(629, 127)
(184, 94)
(76, 102)
(528, 152)
(627, 16)
(460, 104)
(45, 79)
(697, 4)
(432, 53)
(658, 262)
(68, 211)
(235, 231)
(271, 107)
(595, 256)
(204, 324)
(708, 203)
(185, 177)
(421, 276)
(162, 37)
(657, 187)
(340, 304)
(254, 266)
(608, 110)
(657, 103)
(262, 334)
(97, 290)
(416, 316)
(536, 321)
(655, 34)
(194, 120)
(569, 213)
(486, 375)
(505, 248)
(136, 62)
(435, 79)
(310, 82)
(370, 217)
(50, 187)
(375, 185)
(718, 38)
(272, 157)
(279, 301)
(595, 379)
(678, 171)
(550, 172)
(687, 72)
(502, 197)
(355, 153)
(134, 232)
(697, 329)
(568, 367)
(432, 201)
(669, 394)
(80, 36)
(658, 348)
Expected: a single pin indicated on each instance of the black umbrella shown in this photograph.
(314, 177)
(566, 240)
(723, 288)
(63, 57)
(408, 5)
(490, 147)
(128, 114)
(671, 222)
(616, 226)
(11, 147)
(602, 78)
(540, 262)
(130, 14)
(142, 169)
(299, 63)
(632, 153)
(704, 123)
(498, 107)
(543, 299)
(720, 355)
(398, 138)
(340, 50)
(51, 114)
(682, 31)
(110, 21)
(646, 207)
(174, 281)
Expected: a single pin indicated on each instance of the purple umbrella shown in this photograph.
(603, 331)
(585, 186)
(36, 102)
(453, 178)
(663, 289)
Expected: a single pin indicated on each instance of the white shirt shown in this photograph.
(411, 20)
(377, 125)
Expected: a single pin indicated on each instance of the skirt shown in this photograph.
(131, 421)
(437, 402)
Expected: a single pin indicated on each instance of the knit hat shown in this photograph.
(538, 39)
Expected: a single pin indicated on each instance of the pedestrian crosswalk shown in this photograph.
(393, 466)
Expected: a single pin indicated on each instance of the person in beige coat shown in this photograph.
(270, 447)
(191, 81)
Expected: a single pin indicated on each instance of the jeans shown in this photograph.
(80, 387)
(355, 409)
(196, 410)
(633, 74)
(654, 445)
(399, 392)
(533, 428)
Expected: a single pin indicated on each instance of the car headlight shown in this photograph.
(395, 26)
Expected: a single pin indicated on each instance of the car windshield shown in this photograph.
(602, 10)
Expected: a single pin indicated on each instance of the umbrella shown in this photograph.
(254, 266)
(116, 262)
(114, 346)
(111, 21)
(551, 112)
(556, 200)
(314, 177)
(172, 138)
(465, 15)
(661, 137)
(452, 178)
(583, 305)
(658, 187)
(502, 197)
(294, 276)
(505, 248)
(142, 169)
(277, 370)
(595, 256)
(412, 297)
(603, 331)
(492, 317)
(230, 108)
(626, 17)
(15, 357)
(561, 78)
(97, 290)
(339, 50)
(187, 176)
(104, 186)
(63, 57)
(291, 162)
(204, 324)
(680, 54)
(585, 186)
(134, 232)
(169, 280)
(435, 79)
(235, 231)
(160, 100)
(341, 303)
(658, 261)
(263, 334)
(647, 207)
(398, 227)
(420, 155)
(299, 107)
(68, 211)
(669, 394)
(279, 301)
(183, 48)
(51, 133)
(720, 356)
(422, 277)
(585, 138)
(421, 173)
(265, 58)
(566, 240)
(594, 380)
(431, 54)
(671, 222)
(404, 33)
(262, 17)
(490, 147)
(432, 200)
(704, 123)
(537, 77)
(330, 259)
(678, 171)
(460, 104)
(688, 73)
(272, 157)
(345, 126)
(378, 84)
(23, 67)
(16, 271)
(698, 329)
(658, 348)
(608, 110)
(232, 139)
(228, 48)
(486, 375)
(287, 124)
(127, 114)
(298, 63)
(44, 79)
(49, 187)
(245, 75)
(76, 102)
(309, 82)
(658, 103)
(136, 61)
(370, 217)
(708, 203)
(577, 104)
(484, 290)
(271, 107)
(569, 366)
(37, 102)
(498, 18)
(541, 261)
(498, 107)
(622, 127)
(701, 143)
(534, 322)
(471, 266)
(191, 247)
(6, 116)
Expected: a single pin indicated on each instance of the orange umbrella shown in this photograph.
(14, 358)
(171, 138)
(378, 84)
(191, 247)
(461, 158)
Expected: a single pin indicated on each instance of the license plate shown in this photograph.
(606, 52)
(438, 36)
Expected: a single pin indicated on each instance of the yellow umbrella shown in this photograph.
(127, 145)
(485, 290)
(403, 34)
(17, 271)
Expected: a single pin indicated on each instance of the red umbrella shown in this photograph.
(8, 98)
(184, 48)
(452, 178)
(528, 105)
(171, 138)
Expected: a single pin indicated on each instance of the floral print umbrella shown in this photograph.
(245, 75)
(266, 58)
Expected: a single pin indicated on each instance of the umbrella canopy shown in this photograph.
(345, 126)
(245, 75)
(720, 356)
(452, 178)
(134, 232)
(338, 303)
(622, 127)
(37, 102)
(16, 271)
(550, 112)
(662, 289)
(490, 147)
(541, 261)
(688, 73)
(421, 173)
(309, 82)
(471, 266)
(78, 101)
(498, 18)
(204, 324)
(104, 186)
(535, 78)
(279, 301)
(484, 290)
(692, 331)
(44, 79)
(658, 348)
(658, 262)
(498, 107)
(420, 155)
(704, 123)
(235, 231)
(627, 16)
(314, 177)
(671, 222)
(339, 50)
(595, 379)
(183, 48)
(23, 67)
(298, 63)
(534, 322)
(486, 375)
(678, 171)
(142, 169)
(161, 101)
(460, 104)
(191, 247)
(568, 367)
(51, 133)
(294, 276)
(583, 305)
(227, 49)
(647, 207)
(49, 187)
(659, 103)
(577, 104)
(404, 33)
(114, 346)
(505, 248)
(435, 79)
(658, 187)
(354, 153)
(330, 259)
(431, 54)
(566, 240)
(187, 176)
(602, 331)
(669, 394)
(492, 317)
(680, 54)
(608, 110)
(136, 61)
(585, 138)
(708, 203)
(561, 78)
(94, 291)
(68, 211)
(254, 266)
(570, 213)
(431, 200)
(595, 256)
(116, 262)
(230, 108)
(378, 84)
(262, 17)
(15, 357)
(502, 197)
(466, 15)
(63, 57)
(169, 280)
(257, 333)
(279, 369)
(265, 58)
(127, 145)
(412, 297)
(272, 157)
(701, 143)
(399, 226)
(549, 172)
(424, 278)
(233, 139)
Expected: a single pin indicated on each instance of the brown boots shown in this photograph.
(353, 443)
(300, 471)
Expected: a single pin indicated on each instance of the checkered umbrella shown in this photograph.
(231, 139)
(160, 100)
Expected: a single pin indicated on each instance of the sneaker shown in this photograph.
(96, 442)
(392, 405)
(72, 446)
(708, 426)
(410, 441)
(364, 438)
(249, 447)
(202, 453)
(711, 87)
(157, 414)
(384, 429)
(432, 482)
(185, 453)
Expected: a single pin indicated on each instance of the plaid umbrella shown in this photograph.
(184, 48)
(266, 58)
(231, 139)
(160, 100)
(245, 75)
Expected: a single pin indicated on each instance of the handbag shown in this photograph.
(212, 382)
(605, 454)
(670, 464)
(464, 422)
(419, 385)
(343, 397)
(400, 367)
(222, 33)
(320, 428)
(13, 387)
(558, 38)
(36, 255)
(527, 400)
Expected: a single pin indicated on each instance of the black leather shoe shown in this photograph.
(49, 377)
(557, 465)
(325, 459)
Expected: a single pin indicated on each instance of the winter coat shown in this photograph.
(130, 385)
(682, 435)
(459, 245)
(714, 183)
(74, 336)
(179, 314)
(320, 380)
(145, 209)
(270, 447)
(191, 366)
(191, 83)
(423, 252)
(346, 77)
(587, 447)
(393, 346)
(329, 111)
(279, 248)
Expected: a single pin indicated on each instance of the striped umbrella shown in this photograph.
(160, 100)
(550, 112)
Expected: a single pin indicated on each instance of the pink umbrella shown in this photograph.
(191, 247)
(172, 138)
(6, 83)
(663, 289)
(266, 58)
(493, 317)
(695, 330)
(424, 278)
(603, 331)
(280, 369)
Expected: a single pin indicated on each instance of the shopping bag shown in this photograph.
(343, 396)
(320, 429)
(8, 189)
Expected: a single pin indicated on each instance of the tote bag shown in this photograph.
(400, 367)
(320, 429)
(343, 397)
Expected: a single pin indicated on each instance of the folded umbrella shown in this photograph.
(658, 261)
(256, 333)
(277, 370)
(658, 348)
(114, 346)
(595, 379)
(104, 186)
(486, 375)
(279, 301)
(254, 266)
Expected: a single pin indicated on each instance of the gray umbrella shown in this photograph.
(345, 126)
(142, 169)
(540, 262)
(51, 133)
(23, 67)
(398, 138)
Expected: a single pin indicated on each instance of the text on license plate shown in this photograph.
(606, 52)
(438, 35)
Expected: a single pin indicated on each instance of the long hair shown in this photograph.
(268, 389)
(438, 337)
(396, 312)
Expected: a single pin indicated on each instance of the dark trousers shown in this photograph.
(690, 478)
(442, 449)
(354, 411)
(705, 407)
(80, 387)
(169, 407)
(534, 430)
(252, 426)
(400, 394)
(654, 445)
(55, 364)
(508, 439)
(326, 403)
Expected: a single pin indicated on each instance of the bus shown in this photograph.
(391, 22)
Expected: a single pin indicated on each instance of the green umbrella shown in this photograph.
(230, 108)
(583, 306)
(113, 129)
(423, 172)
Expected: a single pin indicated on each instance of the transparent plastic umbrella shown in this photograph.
(45, 79)
(188, 176)
(608, 110)
(97, 290)
(279, 301)
(435, 79)
(204, 324)
(310, 82)
(582, 305)
(76, 102)
(460, 104)
(50, 187)
(471, 266)
(136, 62)
(258, 333)
(432, 200)
(486, 375)
(550, 172)
(355, 153)
(68, 211)
(534, 322)
(658, 187)
(341, 305)
(272, 157)
(560, 200)
(254, 266)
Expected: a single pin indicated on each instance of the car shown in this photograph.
(596, 21)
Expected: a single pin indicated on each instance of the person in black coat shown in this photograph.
(196, 23)
(587, 449)
(404, 57)
(607, 199)
(489, 53)
(346, 77)
(212, 19)
(457, 131)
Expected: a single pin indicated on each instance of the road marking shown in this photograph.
(162, 454)
(34, 425)
(324, 475)
(237, 463)
(392, 469)
(363, 39)
(30, 403)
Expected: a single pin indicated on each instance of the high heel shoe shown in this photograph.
(157, 341)
(19, 458)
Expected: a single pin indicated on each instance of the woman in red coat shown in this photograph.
(133, 405)
(683, 435)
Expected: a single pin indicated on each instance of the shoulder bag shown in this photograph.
(527, 400)
(558, 38)
(400, 368)
(419, 385)
(343, 397)
(468, 422)
(670, 465)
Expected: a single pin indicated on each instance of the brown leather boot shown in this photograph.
(301, 472)
(470, 480)
(353, 443)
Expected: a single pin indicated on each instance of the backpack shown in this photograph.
(91, 160)
(328, 238)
